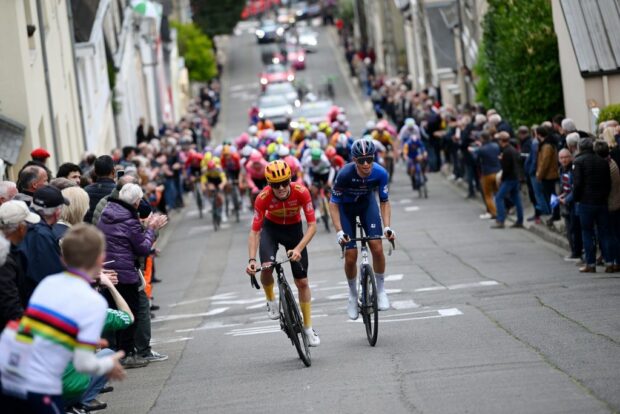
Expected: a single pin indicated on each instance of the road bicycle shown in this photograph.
(322, 203)
(291, 321)
(367, 289)
(418, 178)
(234, 198)
(198, 195)
(216, 204)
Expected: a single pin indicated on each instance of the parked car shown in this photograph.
(295, 56)
(285, 89)
(269, 31)
(313, 112)
(276, 108)
(275, 74)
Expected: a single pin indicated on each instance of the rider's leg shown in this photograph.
(305, 298)
(266, 279)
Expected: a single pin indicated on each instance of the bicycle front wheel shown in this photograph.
(294, 325)
(198, 195)
(369, 308)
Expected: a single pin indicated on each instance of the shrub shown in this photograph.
(610, 112)
(197, 49)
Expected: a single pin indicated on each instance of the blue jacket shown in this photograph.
(488, 154)
(532, 158)
(42, 252)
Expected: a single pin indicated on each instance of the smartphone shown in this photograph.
(120, 173)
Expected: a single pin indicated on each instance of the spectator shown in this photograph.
(567, 206)
(29, 180)
(60, 298)
(128, 154)
(602, 150)
(547, 170)
(8, 191)
(40, 155)
(488, 157)
(140, 135)
(509, 182)
(614, 149)
(126, 240)
(572, 142)
(592, 184)
(62, 183)
(127, 178)
(40, 246)
(467, 138)
(14, 219)
(73, 213)
(104, 171)
(70, 171)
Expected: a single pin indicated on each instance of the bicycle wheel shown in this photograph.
(295, 326)
(236, 202)
(325, 213)
(217, 212)
(198, 195)
(369, 308)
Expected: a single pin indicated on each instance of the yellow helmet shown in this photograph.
(277, 171)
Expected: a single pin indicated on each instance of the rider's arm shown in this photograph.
(386, 213)
(334, 212)
(253, 239)
(257, 224)
(310, 218)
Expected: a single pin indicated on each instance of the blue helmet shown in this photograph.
(363, 147)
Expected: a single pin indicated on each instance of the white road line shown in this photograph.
(170, 340)
(257, 306)
(475, 284)
(405, 304)
(440, 313)
(212, 312)
(394, 278)
(430, 289)
(209, 326)
(222, 296)
(412, 208)
(237, 301)
(405, 201)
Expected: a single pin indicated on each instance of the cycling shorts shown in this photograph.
(195, 171)
(289, 236)
(232, 175)
(320, 180)
(216, 181)
(260, 183)
(367, 210)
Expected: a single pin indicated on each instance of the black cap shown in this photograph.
(48, 197)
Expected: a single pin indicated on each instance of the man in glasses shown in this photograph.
(352, 197)
(277, 220)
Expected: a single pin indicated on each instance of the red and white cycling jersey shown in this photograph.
(283, 211)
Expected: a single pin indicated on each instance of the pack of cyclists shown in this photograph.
(280, 173)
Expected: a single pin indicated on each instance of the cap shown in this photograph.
(39, 153)
(48, 196)
(15, 211)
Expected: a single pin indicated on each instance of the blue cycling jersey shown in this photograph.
(413, 148)
(349, 187)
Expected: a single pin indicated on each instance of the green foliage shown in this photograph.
(482, 84)
(217, 17)
(610, 112)
(346, 12)
(518, 67)
(197, 49)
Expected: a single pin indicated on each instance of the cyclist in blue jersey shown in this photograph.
(353, 195)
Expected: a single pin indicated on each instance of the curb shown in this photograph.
(539, 230)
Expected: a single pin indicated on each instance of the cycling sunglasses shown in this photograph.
(364, 160)
(283, 184)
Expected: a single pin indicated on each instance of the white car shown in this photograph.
(283, 89)
(275, 108)
(308, 38)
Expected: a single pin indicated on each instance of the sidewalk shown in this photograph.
(554, 236)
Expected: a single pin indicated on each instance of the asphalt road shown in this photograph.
(483, 321)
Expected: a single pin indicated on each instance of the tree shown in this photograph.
(518, 65)
(217, 17)
(197, 49)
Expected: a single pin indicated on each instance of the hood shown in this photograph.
(117, 211)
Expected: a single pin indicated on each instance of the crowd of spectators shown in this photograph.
(93, 226)
(567, 174)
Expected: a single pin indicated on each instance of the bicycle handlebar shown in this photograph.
(253, 280)
(365, 239)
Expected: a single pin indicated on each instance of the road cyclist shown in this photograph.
(353, 196)
(277, 220)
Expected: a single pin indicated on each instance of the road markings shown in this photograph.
(394, 278)
(424, 314)
(212, 312)
(222, 296)
(170, 340)
(412, 208)
(458, 286)
(208, 326)
(257, 330)
(204, 229)
(238, 301)
(405, 304)
(405, 201)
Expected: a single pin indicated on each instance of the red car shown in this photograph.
(295, 56)
(276, 74)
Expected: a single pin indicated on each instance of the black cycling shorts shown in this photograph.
(289, 236)
(320, 180)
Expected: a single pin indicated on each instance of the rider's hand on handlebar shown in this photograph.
(389, 233)
(342, 238)
(294, 255)
(251, 268)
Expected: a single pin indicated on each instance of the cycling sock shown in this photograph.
(269, 292)
(307, 314)
(380, 279)
(352, 287)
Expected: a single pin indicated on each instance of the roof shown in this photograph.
(11, 139)
(595, 34)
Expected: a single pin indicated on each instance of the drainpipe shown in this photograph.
(75, 77)
(606, 90)
(464, 69)
(48, 86)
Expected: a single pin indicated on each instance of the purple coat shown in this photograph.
(125, 239)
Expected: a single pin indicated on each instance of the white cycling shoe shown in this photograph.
(272, 310)
(383, 303)
(313, 337)
(352, 308)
